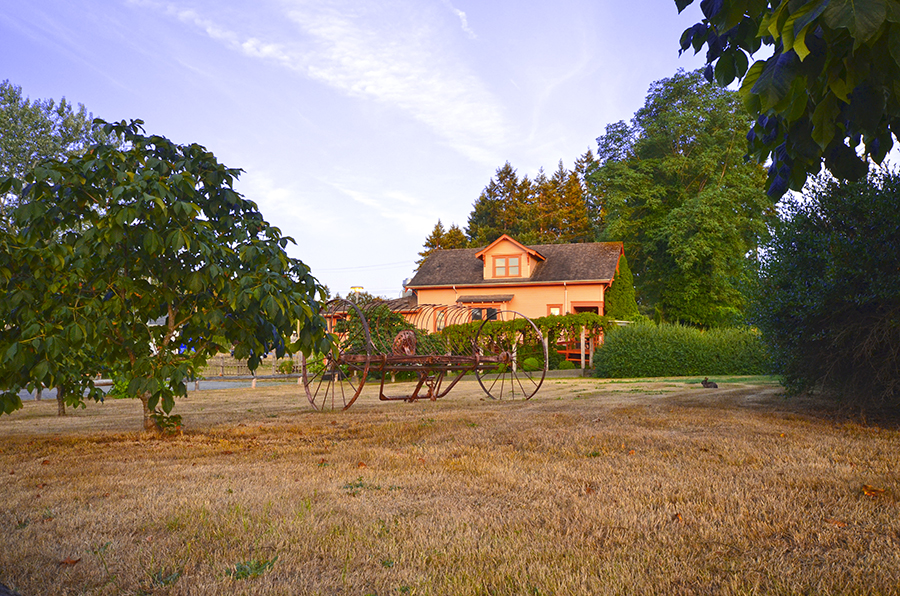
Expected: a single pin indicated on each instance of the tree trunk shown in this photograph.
(149, 424)
(60, 402)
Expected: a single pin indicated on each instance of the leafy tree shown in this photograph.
(829, 295)
(142, 258)
(828, 90)
(620, 303)
(688, 207)
(32, 131)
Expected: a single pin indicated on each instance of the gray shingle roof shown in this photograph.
(565, 262)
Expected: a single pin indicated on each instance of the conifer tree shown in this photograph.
(593, 202)
(499, 208)
(433, 242)
(454, 238)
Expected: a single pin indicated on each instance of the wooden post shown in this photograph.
(582, 348)
(546, 353)
(591, 358)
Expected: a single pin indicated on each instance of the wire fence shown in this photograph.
(226, 366)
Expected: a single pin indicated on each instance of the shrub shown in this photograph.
(829, 301)
(286, 367)
(651, 350)
(536, 350)
(567, 365)
(532, 364)
(119, 390)
(620, 299)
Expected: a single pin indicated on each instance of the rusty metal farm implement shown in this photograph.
(433, 346)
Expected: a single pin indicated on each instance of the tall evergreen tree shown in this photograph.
(584, 166)
(439, 239)
(433, 242)
(454, 238)
(571, 216)
(499, 208)
(540, 218)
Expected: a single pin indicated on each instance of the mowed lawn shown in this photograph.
(592, 487)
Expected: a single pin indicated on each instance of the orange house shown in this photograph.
(536, 281)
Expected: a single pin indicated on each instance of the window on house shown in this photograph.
(484, 314)
(554, 309)
(506, 266)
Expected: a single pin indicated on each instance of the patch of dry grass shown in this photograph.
(590, 488)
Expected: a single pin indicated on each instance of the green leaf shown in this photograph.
(39, 373)
(175, 241)
(894, 42)
(725, 70)
(823, 121)
(776, 79)
(862, 18)
(751, 100)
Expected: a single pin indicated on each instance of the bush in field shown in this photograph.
(532, 364)
(650, 350)
(829, 301)
(567, 365)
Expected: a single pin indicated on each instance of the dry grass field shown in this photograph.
(592, 487)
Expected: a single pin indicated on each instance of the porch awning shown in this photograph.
(485, 298)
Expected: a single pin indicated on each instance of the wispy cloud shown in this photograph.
(463, 20)
(391, 53)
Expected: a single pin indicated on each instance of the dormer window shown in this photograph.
(507, 266)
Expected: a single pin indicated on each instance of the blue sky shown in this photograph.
(358, 123)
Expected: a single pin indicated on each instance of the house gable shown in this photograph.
(507, 259)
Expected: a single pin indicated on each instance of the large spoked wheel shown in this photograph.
(334, 380)
(502, 371)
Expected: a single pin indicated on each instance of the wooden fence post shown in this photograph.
(582, 347)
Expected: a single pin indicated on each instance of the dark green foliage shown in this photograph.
(688, 208)
(546, 210)
(142, 261)
(829, 301)
(651, 350)
(441, 239)
(620, 303)
(32, 131)
(828, 83)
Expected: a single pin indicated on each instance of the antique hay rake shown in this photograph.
(437, 346)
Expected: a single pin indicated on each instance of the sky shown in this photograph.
(358, 123)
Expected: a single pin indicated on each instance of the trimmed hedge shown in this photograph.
(650, 350)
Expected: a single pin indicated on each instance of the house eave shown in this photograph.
(488, 284)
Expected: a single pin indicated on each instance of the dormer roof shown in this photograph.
(531, 251)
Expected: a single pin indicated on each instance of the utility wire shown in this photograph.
(382, 266)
